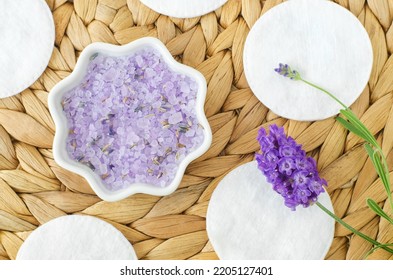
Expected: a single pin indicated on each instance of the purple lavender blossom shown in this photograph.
(286, 71)
(286, 166)
(132, 119)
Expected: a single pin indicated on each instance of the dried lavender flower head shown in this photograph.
(286, 71)
(286, 166)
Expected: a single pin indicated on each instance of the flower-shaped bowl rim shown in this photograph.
(59, 144)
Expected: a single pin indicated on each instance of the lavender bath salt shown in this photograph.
(132, 119)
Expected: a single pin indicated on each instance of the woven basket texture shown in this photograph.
(34, 189)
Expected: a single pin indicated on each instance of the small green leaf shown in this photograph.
(351, 128)
(370, 151)
(376, 248)
(382, 172)
(378, 210)
(375, 159)
(354, 120)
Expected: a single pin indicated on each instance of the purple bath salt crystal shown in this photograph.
(132, 119)
(110, 75)
(175, 118)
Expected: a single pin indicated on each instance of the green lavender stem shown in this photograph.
(384, 174)
(353, 124)
(358, 233)
(325, 91)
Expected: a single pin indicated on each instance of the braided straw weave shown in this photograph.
(34, 189)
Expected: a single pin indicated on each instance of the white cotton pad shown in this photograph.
(184, 8)
(324, 42)
(76, 237)
(247, 219)
(27, 35)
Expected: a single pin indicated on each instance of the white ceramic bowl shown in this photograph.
(59, 146)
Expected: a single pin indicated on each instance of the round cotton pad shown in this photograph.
(183, 8)
(246, 219)
(76, 237)
(324, 42)
(27, 35)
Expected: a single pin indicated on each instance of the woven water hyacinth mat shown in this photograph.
(34, 189)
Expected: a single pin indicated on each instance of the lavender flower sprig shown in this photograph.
(286, 166)
(294, 175)
(353, 124)
(286, 71)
